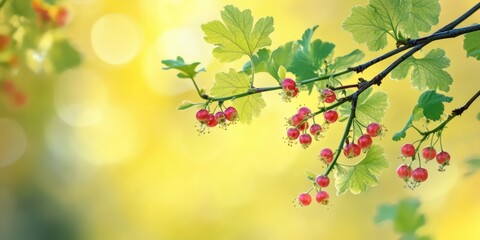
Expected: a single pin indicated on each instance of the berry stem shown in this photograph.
(252, 69)
(196, 87)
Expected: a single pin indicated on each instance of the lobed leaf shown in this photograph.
(346, 61)
(232, 83)
(236, 35)
(471, 44)
(432, 104)
(357, 178)
(423, 15)
(370, 108)
(186, 70)
(427, 72)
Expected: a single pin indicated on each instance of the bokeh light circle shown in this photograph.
(13, 142)
(80, 97)
(116, 38)
(114, 138)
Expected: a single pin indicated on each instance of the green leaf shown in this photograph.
(186, 70)
(423, 15)
(232, 83)
(370, 108)
(473, 166)
(64, 56)
(404, 215)
(403, 133)
(357, 178)
(471, 44)
(344, 62)
(372, 23)
(187, 104)
(432, 104)
(311, 176)
(23, 8)
(307, 38)
(427, 72)
(237, 36)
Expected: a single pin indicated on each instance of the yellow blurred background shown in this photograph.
(100, 152)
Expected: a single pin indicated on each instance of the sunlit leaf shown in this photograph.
(372, 23)
(186, 70)
(428, 72)
(423, 15)
(432, 104)
(471, 44)
(357, 178)
(187, 104)
(236, 35)
(370, 108)
(343, 62)
(232, 83)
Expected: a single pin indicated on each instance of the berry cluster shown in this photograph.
(13, 94)
(414, 177)
(50, 14)
(322, 196)
(221, 118)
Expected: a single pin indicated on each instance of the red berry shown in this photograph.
(220, 117)
(61, 17)
(305, 139)
(295, 92)
(295, 120)
(420, 174)
(212, 121)
(304, 199)
(304, 112)
(331, 116)
(4, 41)
(289, 84)
(404, 171)
(302, 126)
(293, 133)
(19, 99)
(351, 150)
(231, 114)
(328, 95)
(408, 150)
(364, 141)
(443, 158)
(315, 129)
(322, 197)
(322, 181)
(202, 115)
(429, 153)
(326, 155)
(8, 86)
(374, 129)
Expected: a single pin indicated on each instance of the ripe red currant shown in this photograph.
(374, 129)
(4, 41)
(212, 121)
(328, 95)
(420, 174)
(316, 130)
(304, 199)
(305, 139)
(302, 126)
(326, 155)
(322, 181)
(61, 17)
(408, 150)
(289, 84)
(295, 120)
(364, 141)
(429, 153)
(443, 158)
(231, 114)
(293, 133)
(322, 197)
(295, 92)
(351, 150)
(331, 116)
(220, 117)
(404, 171)
(304, 112)
(202, 115)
